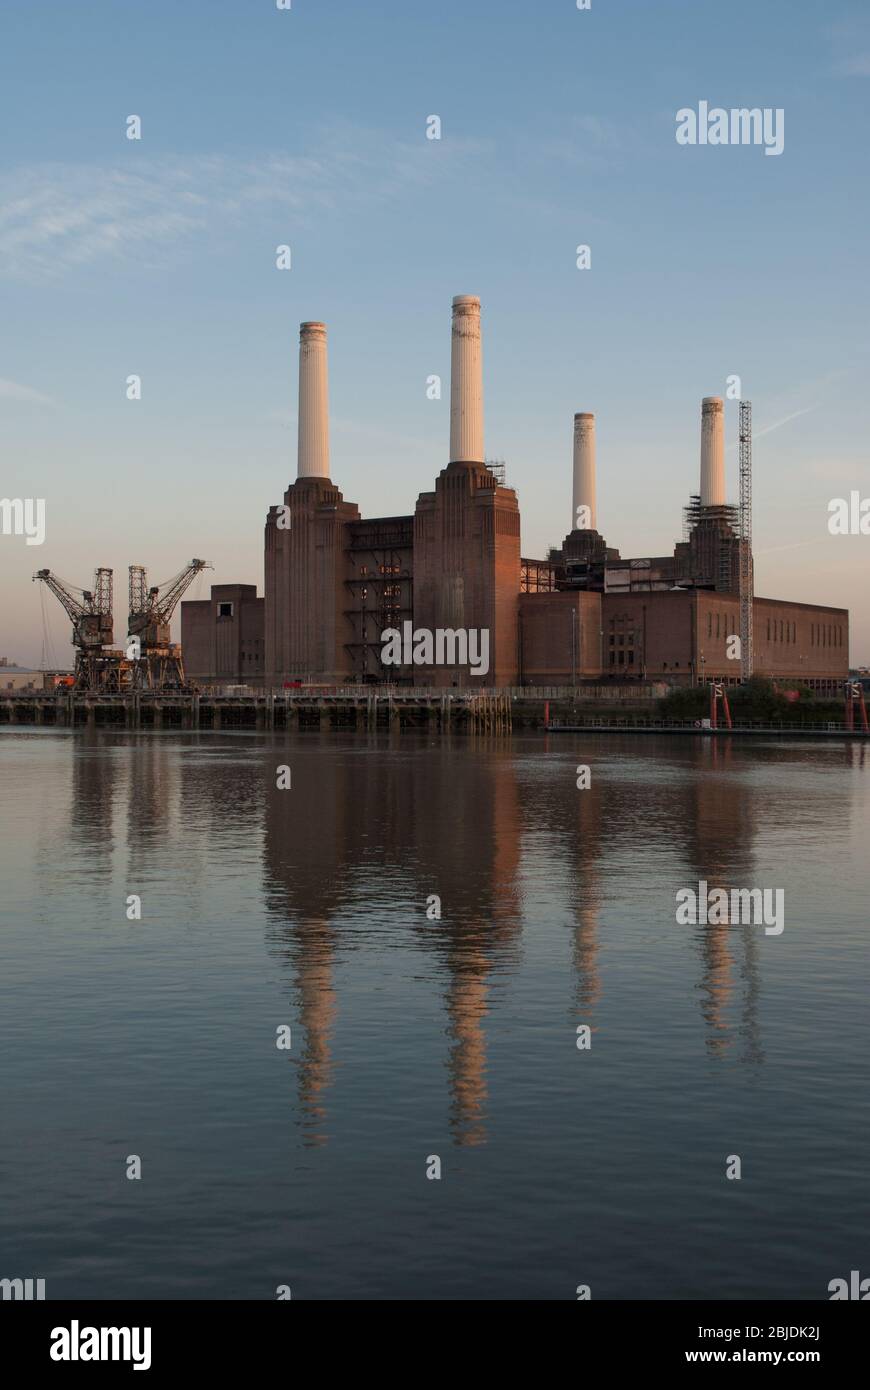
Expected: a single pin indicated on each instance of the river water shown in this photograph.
(415, 1038)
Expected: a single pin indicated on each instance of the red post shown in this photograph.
(712, 706)
(546, 714)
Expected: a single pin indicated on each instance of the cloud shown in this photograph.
(850, 43)
(13, 391)
(778, 424)
(288, 419)
(56, 217)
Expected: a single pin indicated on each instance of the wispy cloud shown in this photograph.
(55, 217)
(14, 391)
(287, 419)
(792, 545)
(850, 41)
(776, 425)
(857, 66)
(584, 142)
(786, 419)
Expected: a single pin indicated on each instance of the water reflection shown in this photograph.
(373, 829)
(366, 824)
(719, 836)
(369, 832)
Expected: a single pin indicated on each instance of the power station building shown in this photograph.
(444, 597)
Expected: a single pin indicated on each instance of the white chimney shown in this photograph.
(712, 452)
(313, 450)
(584, 473)
(466, 382)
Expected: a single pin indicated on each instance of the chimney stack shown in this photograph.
(584, 471)
(313, 449)
(466, 382)
(712, 452)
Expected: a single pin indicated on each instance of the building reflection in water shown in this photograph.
(719, 833)
(383, 830)
(428, 824)
(468, 851)
(313, 839)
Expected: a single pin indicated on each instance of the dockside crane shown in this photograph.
(156, 661)
(96, 667)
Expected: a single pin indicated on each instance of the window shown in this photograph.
(225, 610)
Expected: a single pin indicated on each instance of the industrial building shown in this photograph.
(336, 581)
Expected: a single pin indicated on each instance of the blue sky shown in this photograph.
(307, 127)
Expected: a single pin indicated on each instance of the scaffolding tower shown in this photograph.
(746, 572)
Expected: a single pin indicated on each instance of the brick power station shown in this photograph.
(335, 581)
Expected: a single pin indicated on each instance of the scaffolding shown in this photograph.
(746, 570)
(538, 576)
(498, 469)
(380, 590)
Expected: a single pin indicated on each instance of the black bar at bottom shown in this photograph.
(163, 1338)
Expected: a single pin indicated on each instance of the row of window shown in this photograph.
(389, 591)
(778, 630)
(726, 625)
(826, 635)
(781, 630)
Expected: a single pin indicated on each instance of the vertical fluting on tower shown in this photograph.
(584, 513)
(313, 448)
(712, 452)
(466, 382)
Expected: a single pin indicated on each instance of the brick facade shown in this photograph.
(222, 637)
